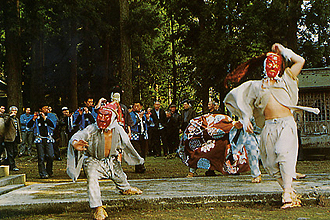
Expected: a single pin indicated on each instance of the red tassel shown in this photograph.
(237, 74)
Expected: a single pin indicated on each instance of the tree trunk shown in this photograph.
(205, 80)
(105, 82)
(294, 14)
(174, 67)
(37, 73)
(125, 59)
(73, 59)
(13, 54)
(205, 96)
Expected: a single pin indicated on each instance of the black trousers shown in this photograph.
(152, 134)
(159, 141)
(12, 152)
(173, 140)
(141, 146)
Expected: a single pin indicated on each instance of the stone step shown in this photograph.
(4, 170)
(12, 180)
(8, 188)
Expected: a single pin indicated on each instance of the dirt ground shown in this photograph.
(159, 167)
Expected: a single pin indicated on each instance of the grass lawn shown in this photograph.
(216, 212)
(159, 167)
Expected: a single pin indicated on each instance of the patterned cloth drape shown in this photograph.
(206, 144)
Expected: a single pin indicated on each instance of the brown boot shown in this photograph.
(100, 213)
(131, 191)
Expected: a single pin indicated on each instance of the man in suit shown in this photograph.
(66, 125)
(158, 116)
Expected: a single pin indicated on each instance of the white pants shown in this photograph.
(107, 168)
(279, 149)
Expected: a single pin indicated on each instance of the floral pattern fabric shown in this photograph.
(206, 144)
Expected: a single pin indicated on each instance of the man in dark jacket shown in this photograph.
(12, 136)
(173, 127)
(158, 116)
(187, 114)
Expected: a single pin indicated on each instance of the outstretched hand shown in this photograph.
(80, 145)
(249, 128)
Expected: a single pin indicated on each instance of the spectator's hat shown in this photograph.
(65, 108)
(115, 97)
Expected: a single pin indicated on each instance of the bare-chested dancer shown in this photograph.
(271, 101)
(103, 144)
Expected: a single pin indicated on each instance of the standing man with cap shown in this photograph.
(12, 136)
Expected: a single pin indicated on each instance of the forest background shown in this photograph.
(59, 52)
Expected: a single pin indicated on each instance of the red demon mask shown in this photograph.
(273, 64)
(106, 115)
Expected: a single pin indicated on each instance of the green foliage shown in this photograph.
(315, 33)
(179, 48)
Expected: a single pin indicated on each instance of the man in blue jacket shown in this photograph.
(139, 137)
(85, 116)
(27, 133)
(43, 127)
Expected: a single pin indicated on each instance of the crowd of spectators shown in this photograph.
(153, 131)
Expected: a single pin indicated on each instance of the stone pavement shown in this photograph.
(160, 193)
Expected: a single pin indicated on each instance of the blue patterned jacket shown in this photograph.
(136, 128)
